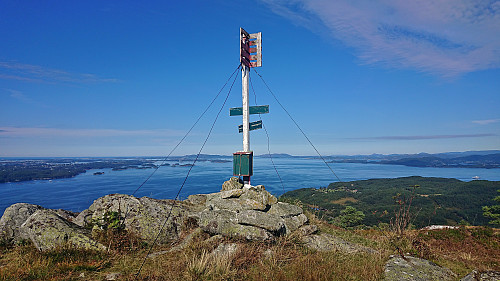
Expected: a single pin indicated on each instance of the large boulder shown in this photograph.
(12, 219)
(248, 212)
(48, 230)
(326, 242)
(225, 222)
(259, 194)
(293, 223)
(212, 217)
(141, 216)
(291, 214)
(234, 230)
(415, 269)
(236, 198)
(263, 220)
(197, 199)
(216, 202)
(239, 210)
(285, 210)
(476, 275)
(232, 183)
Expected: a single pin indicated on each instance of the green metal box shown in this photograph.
(243, 163)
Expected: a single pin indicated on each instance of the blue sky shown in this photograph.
(129, 78)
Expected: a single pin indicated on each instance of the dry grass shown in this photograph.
(463, 249)
(284, 259)
(26, 263)
(343, 201)
(460, 250)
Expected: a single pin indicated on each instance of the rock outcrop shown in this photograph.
(247, 212)
(415, 269)
(12, 219)
(241, 211)
(327, 242)
(141, 216)
(476, 275)
(47, 230)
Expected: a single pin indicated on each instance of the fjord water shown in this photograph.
(78, 193)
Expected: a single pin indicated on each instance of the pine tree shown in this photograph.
(493, 212)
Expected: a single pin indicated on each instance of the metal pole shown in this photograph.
(245, 71)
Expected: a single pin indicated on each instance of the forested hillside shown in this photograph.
(433, 200)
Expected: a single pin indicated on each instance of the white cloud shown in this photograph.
(56, 132)
(447, 37)
(486, 122)
(18, 95)
(36, 73)
(426, 137)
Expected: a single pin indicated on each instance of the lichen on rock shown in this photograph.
(232, 183)
(144, 216)
(12, 219)
(239, 210)
(415, 269)
(249, 212)
(327, 242)
(47, 230)
(477, 275)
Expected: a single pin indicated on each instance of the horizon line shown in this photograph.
(260, 155)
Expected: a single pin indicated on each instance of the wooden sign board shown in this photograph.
(250, 48)
(244, 47)
(256, 49)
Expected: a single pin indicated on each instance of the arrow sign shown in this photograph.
(260, 109)
(253, 126)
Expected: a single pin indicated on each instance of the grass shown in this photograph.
(281, 260)
(461, 250)
(24, 262)
(343, 201)
(464, 249)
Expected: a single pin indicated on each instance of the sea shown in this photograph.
(77, 193)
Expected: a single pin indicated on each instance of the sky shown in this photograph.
(130, 78)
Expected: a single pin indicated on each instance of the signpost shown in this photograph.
(250, 56)
(260, 109)
(253, 126)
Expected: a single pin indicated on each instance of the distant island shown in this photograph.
(25, 169)
(478, 159)
(18, 170)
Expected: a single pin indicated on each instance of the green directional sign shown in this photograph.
(253, 126)
(259, 109)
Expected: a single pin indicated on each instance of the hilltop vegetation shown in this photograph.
(300, 246)
(461, 250)
(436, 200)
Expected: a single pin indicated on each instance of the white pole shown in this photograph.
(245, 71)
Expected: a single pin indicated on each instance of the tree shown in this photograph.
(493, 212)
(350, 216)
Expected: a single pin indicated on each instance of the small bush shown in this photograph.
(109, 220)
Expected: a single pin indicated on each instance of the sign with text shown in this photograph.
(250, 48)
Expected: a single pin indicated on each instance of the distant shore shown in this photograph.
(26, 169)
